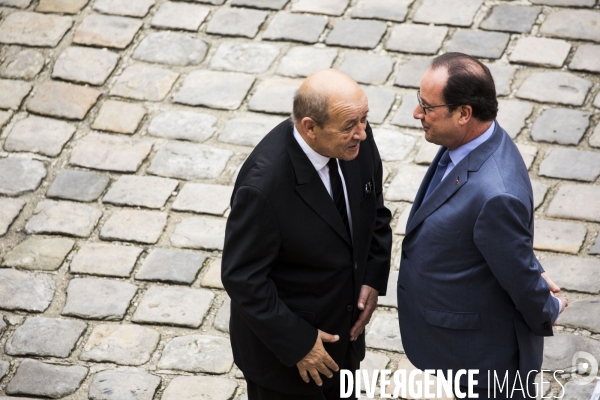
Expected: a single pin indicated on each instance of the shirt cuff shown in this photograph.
(559, 305)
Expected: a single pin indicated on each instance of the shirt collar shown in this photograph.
(461, 152)
(317, 160)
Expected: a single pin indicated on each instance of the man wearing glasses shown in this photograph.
(471, 295)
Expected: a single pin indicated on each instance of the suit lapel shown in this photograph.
(310, 187)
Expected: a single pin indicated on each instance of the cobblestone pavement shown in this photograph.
(123, 124)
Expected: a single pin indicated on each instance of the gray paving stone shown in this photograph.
(561, 125)
(597, 101)
(415, 38)
(583, 314)
(5, 116)
(573, 391)
(380, 102)
(426, 153)
(171, 266)
(571, 164)
(22, 64)
(404, 115)
(248, 130)
(214, 89)
(303, 61)
(540, 51)
(63, 100)
(362, 34)
(61, 6)
(572, 24)
(77, 185)
(448, 12)
(137, 8)
(586, 58)
(45, 337)
(411, 72)
(105, 259)
(203, 198)
(512, 115)
(200, 233)
(573, 202)
(212, 277)
(189, 161)
(134, 226)
(384, 333)
(175, 15)
(12, 93)
(374, 361)
(20, 175)
(563, 237)
(39, 135)
(559, 350)
(187, 125)
(275, 95)
(295, 27)
(119, 117)
(236, 22)
(15, 3)
(82, 64)
(40, 379)
(106, 152)
(171, 48)
(9, 211)
(391, 298)
(94, 298)
(144, 82)
(244, 57)
(503, 76)
(140, 191)
(511, 18)
(595, 138)
(539, 192)
(187, 388)
(569, 3)
(198, 353)
(222, 318)
(331, 7)
(392, 10)
(62, 217)
(393, 145)
(121, 344)
(264, 4)
(174, 306)
(479, 43)
(555, 87)
(372, 69)
(216, 2)
(574, 273)
(406, 183)
(4, 367)
(39, 253)
(107, 31)
(401, 230)
(25, 291)
(49, 29)
(123, 384)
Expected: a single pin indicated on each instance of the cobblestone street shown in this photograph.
(123, 124)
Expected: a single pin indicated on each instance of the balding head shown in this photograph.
(322, 91)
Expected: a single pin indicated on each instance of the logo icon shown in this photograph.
(585, 368)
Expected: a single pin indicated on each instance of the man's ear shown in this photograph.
(466, 113)
(309, 126)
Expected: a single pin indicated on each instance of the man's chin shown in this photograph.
(351, 153)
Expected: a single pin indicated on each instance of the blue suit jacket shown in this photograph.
(470, 294)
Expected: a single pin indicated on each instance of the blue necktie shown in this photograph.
(439, 174)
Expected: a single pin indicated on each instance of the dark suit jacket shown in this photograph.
(470, 294)
(289, 265)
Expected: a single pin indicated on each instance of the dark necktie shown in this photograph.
(439, 174)
(337, 192)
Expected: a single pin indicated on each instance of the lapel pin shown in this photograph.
(457, 182)
(368, 188)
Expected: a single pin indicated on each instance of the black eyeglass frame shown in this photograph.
(424, 108)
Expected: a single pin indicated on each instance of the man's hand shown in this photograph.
(317, 360)
(553, 286)
(367, 302)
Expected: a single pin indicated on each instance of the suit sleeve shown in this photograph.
(252, 241)
(503, 236)
(378, 262)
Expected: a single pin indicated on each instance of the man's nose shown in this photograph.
(418, 112)
(361, 132)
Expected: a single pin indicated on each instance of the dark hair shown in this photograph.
(469, 83)
(312, 104)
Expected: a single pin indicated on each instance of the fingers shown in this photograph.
(331, 364)
(363, 297)
(328, 338)
(553, 286)
(315, 375)
(304, 375)
(359, 326)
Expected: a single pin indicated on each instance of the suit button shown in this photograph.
(404, 256)
(349, 308)
(355, 265)
(547, 325)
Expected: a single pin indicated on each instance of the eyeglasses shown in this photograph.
(424, 108)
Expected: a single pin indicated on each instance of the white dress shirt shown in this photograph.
(320, 164)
